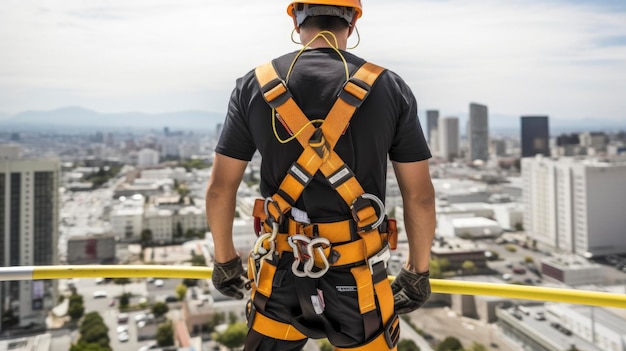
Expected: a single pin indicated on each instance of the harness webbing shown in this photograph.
(318, 143)
(318, 154)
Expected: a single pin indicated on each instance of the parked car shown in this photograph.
(519, 270)
(123, 337)
(158, 283)
(100, 294)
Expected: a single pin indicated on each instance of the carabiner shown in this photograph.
(297, 254)
(317, 244)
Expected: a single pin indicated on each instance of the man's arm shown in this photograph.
(221, 196)
(418, 197)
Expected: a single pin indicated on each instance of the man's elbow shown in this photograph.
(424, 198)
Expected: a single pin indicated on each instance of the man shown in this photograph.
(324, 122)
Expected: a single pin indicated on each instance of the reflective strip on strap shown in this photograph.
(275, 329)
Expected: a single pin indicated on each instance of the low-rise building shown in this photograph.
(91, 249)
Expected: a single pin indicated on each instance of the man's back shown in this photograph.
(386, 123)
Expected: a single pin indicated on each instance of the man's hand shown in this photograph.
(228, 278)
(410, 290)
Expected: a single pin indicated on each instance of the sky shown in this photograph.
(565, 59)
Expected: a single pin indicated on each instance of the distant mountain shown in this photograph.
(81, 118)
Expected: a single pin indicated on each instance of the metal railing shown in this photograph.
(442, 286)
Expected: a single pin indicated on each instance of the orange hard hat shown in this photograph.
(356, 4)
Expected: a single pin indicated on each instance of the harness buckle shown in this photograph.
(381, 256)
(392, 332)
(362, 202)
(276, 207)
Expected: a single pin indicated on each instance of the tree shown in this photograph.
(450, 344)
(198, 260)
(146, 237)
(83, 346)
(232, 317)
(234, 336)
(159, 309)
(214, 321)
(407, 345)
(189, 282)
(181, 291)
(77, 307)
(165, 334)
(179, 230)
(124, 300)
(477, 347)
(468, 267)
(94, 331)
(325, 345)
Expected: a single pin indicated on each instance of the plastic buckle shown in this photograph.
(381, 256)
(392, 332)
(362, 202)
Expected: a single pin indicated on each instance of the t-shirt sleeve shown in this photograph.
(235, 139)
(409, 143)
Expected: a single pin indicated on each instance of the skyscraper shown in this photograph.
(449, 138)
(432, 123)
(478, 132)
(29, 214)
(535, 136)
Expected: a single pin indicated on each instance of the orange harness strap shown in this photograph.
(318, 154)
(318, 143)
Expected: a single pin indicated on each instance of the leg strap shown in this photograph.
(273, 328)
(385, 341)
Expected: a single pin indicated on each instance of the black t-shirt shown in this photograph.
(386, 124)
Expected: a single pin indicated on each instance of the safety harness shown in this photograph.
(361, 244)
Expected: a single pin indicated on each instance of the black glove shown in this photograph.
(410, 290)
(228, 278)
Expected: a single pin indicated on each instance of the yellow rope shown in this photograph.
(322, 35)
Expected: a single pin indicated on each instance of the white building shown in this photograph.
(159, 222)
(539, 199)
(147, 158)
(572, 270)
(595, 325)
(575, 205)
(191, 218)
(29, 231)
(467, 226)
(127, 218)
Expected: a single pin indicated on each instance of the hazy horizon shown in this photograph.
(565, 59)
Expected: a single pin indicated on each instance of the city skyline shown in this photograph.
(558, 58)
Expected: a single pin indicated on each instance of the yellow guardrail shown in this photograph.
(583, 297)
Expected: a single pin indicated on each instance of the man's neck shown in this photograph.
(307, 35)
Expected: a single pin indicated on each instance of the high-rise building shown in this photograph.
(478, 132)
(29, 212)
(432, 123)
(535, 136)
(449, 138)
(147, 158)
(575, 206)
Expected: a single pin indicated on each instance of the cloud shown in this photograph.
(518, 57)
